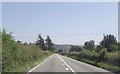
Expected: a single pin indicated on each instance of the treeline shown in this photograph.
(18, 57)
(105, 55)
(44, 44)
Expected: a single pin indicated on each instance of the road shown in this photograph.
(58, 63)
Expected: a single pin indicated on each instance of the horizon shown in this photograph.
(65, 23)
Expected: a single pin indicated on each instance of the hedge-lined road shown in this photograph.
(58, 63)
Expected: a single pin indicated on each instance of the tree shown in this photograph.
(40, 42)
(75, 48)
(6, 36)
(118, 46)
(10, 50)
(102, 54)
(109, 42)
(25, 43)
(89, 45)
(49, 43)
(30, 43)
(98, 48)
(20, 42)
(60, 51)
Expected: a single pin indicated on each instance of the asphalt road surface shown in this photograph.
(58, 63)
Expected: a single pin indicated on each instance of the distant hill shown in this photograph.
(64, 47)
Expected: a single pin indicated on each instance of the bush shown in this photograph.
(103, 59)
(113, 58)
(102, 54)
(18, 57)
(85, 54)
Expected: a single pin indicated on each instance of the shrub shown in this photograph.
(85, 54)
(112, 58)
(16, 55)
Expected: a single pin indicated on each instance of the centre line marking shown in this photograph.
(67, 65)
(66, 69)
(63, 64)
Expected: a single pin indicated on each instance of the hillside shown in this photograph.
(64, 47)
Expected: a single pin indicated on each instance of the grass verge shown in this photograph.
(101, 64)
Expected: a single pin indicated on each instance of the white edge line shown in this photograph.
(86, 64)
(67, 65)
(38, 65)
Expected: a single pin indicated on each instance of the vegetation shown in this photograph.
(109, 42)
(18, 57)
(49, 43)
(40, 42)
(74, 48)
(21, 57)
(104, 55)
(90, 45)
(45, 46)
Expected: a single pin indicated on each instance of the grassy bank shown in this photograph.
(109, 62)
(18, 57)
(28, 57)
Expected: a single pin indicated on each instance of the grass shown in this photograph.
(28, 65)
(18, 57)
(109, 67)
(28, 56)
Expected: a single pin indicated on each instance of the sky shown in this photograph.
(65, 22)
(59, 0)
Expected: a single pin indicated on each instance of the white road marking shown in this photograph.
(66, 69)
(91, 66)
(63, 64)
(67, 65)
(38, 65)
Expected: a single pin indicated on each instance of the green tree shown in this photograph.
(60, 50)
(10, 50)
(89, 45)
(6, 36)
(119, 46)
(109, 42)
(25, 43)
(75, 48)
(49, 43)
(102, 54)
(40, 42)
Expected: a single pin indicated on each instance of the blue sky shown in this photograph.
(65, 22)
